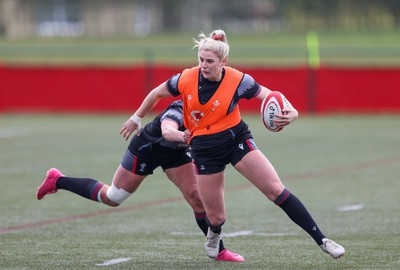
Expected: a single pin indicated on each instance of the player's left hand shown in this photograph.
(289, 115)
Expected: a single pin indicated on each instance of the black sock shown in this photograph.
(201, 219)
(215, 228)
(299, 214)
(85, 187)
(201, 222)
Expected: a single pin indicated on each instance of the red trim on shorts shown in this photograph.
(135, 159)
(249, 145)
(195, 168)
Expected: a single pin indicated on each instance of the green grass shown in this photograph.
(327, 161)
(379, 48)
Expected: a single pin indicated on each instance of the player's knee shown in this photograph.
(216, 220)
(102, 197)
(116, 195)
(194, 199)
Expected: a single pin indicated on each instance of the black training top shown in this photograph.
(151, 133)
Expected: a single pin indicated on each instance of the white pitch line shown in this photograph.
(348, 208)
(114, 261)
(13, 132)
(244, 233)
(274, 234)
(186, 233)
(237, 234)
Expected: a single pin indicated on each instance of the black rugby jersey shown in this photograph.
(151, 133)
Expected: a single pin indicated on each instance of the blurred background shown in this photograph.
(314, 51)
(140, 18)
(73, 71)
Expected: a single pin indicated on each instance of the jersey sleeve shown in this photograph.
(248, 87)
(172, 85)
(174, 114)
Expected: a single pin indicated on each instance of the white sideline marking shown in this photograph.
(239, 233)
(243, 233)
(236, 234)
(354, 207)
(274, 234)
(13, 132)
(114, 261)
(185, 233)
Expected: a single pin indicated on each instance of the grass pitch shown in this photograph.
(345, 169)
(359, 49)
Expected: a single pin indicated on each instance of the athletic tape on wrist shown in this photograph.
(136, 119)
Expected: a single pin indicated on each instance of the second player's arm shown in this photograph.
(148, 103)
(170, 132)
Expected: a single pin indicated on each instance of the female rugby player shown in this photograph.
(210, 93)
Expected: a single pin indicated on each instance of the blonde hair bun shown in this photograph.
(216, 42)
(219, 35)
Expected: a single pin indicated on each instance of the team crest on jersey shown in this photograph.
(197, 115)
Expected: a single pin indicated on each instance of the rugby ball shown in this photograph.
(272, 105)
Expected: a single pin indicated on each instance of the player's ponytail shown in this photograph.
(219, 35)
(216, 42)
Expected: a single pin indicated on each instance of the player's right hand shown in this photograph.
(187, 136)
(128, 128)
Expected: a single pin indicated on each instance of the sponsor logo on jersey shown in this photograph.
(216, 104)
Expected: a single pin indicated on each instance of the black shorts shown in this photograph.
(211, 153)
(143, 159)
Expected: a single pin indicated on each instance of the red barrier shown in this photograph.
(292, 82)
(108, 89)
(70, 89)
(358, 90)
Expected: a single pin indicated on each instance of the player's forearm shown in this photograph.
(152, 99)
(148, 103)
(173, 135)
(263, 92)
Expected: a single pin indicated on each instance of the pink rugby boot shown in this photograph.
(49, 184)
(229, 256)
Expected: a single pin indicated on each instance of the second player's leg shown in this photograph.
(185, 179)
(124, 183)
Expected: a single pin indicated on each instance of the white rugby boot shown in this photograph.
(332, 248)
(212, 244)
